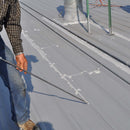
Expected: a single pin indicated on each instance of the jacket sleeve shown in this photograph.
(13, 27)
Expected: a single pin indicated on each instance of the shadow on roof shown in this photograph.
(45, 126)
(126, 8)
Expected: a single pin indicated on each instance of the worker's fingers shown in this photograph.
(21, 62)
(18, 65)
(25, 66)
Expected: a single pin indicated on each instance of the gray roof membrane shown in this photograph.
(71, 63)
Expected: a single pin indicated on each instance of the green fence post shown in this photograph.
(109, 15)
(87, 5)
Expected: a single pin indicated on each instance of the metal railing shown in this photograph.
(87, 7)
(109, 16)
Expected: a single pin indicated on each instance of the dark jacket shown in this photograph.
(10, 17)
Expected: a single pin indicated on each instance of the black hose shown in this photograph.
(86, 102)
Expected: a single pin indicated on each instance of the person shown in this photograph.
(10, 16)
(101, 3)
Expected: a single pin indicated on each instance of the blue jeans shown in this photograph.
(15, 84)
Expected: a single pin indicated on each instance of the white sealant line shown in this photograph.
(118, 64)
(115, 33)
(68, 23)
(94, 24)
(52, 65)
(97, 71)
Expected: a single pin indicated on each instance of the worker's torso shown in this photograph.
(4, 5)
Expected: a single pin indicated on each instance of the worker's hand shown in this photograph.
(21, 62)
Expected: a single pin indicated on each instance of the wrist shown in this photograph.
(19, 53)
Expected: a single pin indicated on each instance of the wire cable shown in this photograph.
(38, 77)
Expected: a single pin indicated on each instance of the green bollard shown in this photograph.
(88, 24)
(109, 15)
